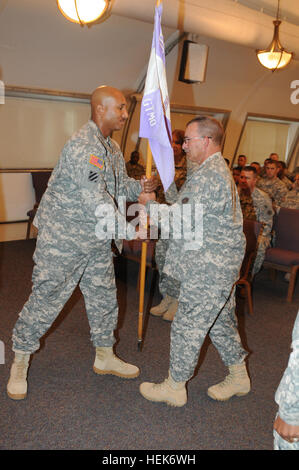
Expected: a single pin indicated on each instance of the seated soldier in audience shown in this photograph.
(256, 205)
(272, 185)
(274, 156)
(242, 159)
(236, 175)
(263, 168)
(282, 175)
(134, 169)
(257, 166)
(291, 201)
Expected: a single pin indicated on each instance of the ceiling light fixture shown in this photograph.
(84, 11)
(275, 57)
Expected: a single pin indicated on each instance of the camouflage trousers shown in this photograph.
(62, 262)
(203, 312)
(167, 284)
(263, 244)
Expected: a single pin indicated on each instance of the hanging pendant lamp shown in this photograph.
(83, 11)
(275, 57)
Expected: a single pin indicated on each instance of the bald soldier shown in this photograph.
(90, 172)
(207, 269)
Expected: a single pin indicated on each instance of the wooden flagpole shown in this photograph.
(148, 174)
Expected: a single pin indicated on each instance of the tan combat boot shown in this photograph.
(170, 313)
(236, 383)
(171, 392)
(161, 308)
(107, 363)
(17, 384)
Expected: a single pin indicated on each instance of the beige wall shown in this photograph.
(235, 81)
(262, 138)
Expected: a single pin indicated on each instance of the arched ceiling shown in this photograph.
(245, 22)
(36, 40)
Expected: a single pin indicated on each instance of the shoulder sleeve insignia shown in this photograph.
(96, 161)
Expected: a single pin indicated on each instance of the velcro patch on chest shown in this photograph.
(96, 161)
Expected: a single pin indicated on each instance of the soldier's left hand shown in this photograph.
(149, 185)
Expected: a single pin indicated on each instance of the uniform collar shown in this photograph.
(98, 132)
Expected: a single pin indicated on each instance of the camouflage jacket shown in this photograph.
(90, 172)
(258, 206)
(287, 394)
(217, 249)
(275, 188)
(291, 201)
(180, 174)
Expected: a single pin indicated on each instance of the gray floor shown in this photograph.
(69, 407)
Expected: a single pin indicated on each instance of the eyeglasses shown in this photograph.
(186, 140)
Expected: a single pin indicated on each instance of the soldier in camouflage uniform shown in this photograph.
(291, 201)
(256, 205)
(286, 425)
(134, 169)
(282, 175)
(168, 286)
(90, 173)
(207, 268)
(272, 185)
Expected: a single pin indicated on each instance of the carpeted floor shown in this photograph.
(69, 407)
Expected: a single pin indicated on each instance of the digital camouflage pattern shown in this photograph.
(90, 172)
(287, 182)
(258, 206)
(206, 269)
(291, 201)
(179, 179)
(275, 188)
(287, 394)
(167, 284)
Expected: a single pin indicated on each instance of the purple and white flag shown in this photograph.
(155, 108)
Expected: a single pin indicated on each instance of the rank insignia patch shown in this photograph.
(96, 161)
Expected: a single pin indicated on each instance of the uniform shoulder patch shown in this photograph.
(96, 161)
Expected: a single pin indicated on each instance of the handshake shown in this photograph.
(148, 188)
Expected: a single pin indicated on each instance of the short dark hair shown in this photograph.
(272, 162)
(250, 168)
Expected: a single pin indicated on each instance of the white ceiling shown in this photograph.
(245, 22)
(34, 32)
